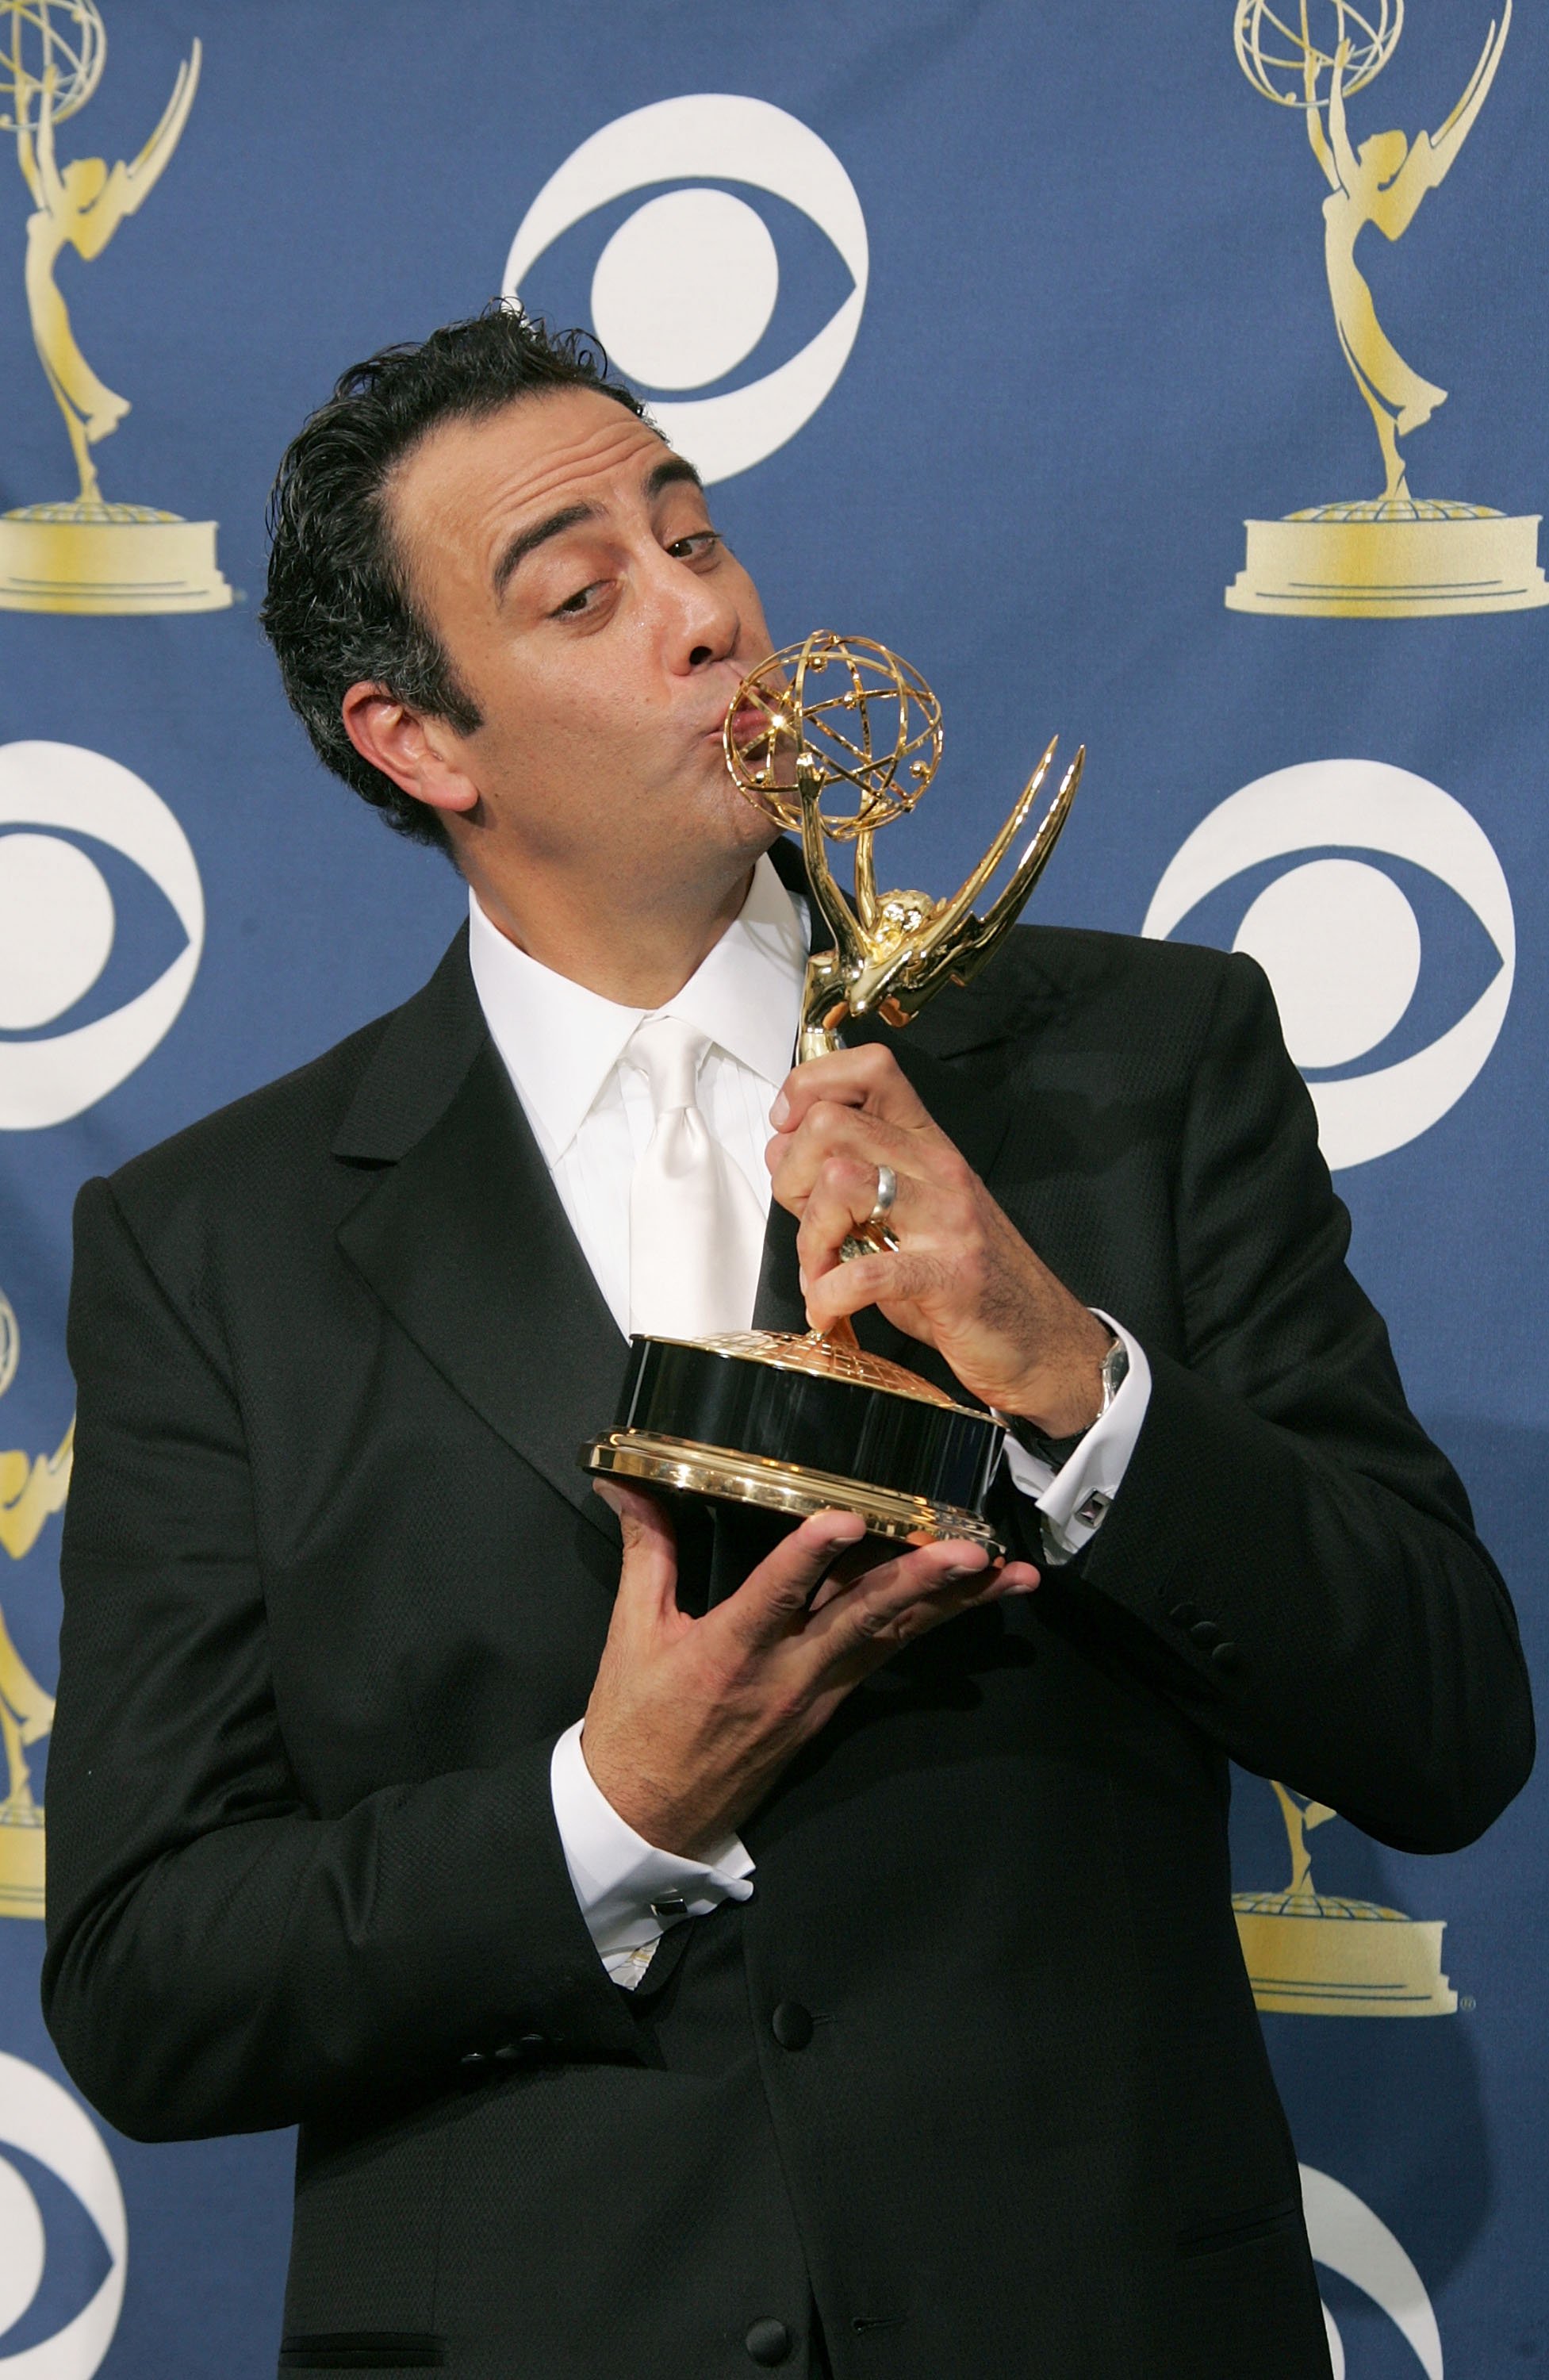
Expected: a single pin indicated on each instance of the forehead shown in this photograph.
(534, 456)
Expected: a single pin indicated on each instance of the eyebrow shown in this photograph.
(674, 471)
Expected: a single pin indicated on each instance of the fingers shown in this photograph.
(772, 1600)
(831, 1130)
(841, 1202)
(870, 1077)
(896, 1279)
(900, 1599)
(648, 1578)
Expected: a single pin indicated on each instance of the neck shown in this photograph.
(637, 953)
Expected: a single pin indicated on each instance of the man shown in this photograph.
(849, 1989)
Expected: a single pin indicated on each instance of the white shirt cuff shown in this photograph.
(1072, 1501)
(617, 1876)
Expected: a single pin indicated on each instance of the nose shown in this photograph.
(700, 622)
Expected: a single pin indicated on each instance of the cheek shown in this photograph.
(551, 722)
(755, 641)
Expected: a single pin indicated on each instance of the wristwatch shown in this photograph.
(1057, 1451)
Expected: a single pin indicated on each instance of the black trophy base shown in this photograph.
(784, 1427)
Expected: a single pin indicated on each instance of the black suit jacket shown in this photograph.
(335, 1583)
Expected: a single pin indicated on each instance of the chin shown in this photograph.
(747, 834)
(726, 818)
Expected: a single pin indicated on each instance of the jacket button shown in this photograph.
(1227, 1658)
(525, 2051)
(792, 2027)
(1204, 1633)
(1183, 1615)
(768, 2343)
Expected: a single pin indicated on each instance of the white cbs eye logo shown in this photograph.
(1339, 940)
(41, 2119)
(1347, 2238)
(57, 925)
(686, 288)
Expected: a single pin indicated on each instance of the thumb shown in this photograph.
(649, 1575)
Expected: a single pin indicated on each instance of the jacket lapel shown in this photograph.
(779, 1305)
(462, 1237)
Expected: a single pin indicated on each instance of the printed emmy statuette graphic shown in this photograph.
(85, 554)
(1310, 1953)
(1394, 555)
(30, 1489)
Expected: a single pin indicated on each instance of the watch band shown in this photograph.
(1057, 1451)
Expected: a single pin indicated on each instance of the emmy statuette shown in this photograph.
(86, 553)
(1396, 555)
(797, 1423)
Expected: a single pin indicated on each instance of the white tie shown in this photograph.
(696, 1229)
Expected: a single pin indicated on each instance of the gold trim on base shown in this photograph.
(1329, 566)
(782, 1487)
(62, 558)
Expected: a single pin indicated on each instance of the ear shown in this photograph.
(420, 754)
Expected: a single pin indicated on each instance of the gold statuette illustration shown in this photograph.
(1310, 1954)
(85, 554)
(799, 1424)
(1394, 555)
(30, 1491)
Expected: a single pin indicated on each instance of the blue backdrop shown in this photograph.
(1093, 338)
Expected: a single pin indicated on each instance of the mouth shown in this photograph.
(749, 728)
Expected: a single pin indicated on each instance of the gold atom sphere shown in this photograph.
(36, 35)
(859, 716)
(1273, 51)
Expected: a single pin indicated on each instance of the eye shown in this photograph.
(576, 604)
(744, 281)
(1401, 959)
(63, 2222)
(101, 927)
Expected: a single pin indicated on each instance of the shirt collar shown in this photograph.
(561, 1042)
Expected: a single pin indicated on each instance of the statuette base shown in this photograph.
(85, 557)
(1308, 1954)
(1391, 560)
(22, 1859)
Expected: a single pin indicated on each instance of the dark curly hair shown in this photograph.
(339, 607)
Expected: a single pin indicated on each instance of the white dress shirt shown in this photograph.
(590, 1112)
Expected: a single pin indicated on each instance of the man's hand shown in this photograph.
(963, 1280)
(691, 1720)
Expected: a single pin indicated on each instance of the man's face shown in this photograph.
(566, 560)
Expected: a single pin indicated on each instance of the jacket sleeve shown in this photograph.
(220, 1957)
(1298, 1557)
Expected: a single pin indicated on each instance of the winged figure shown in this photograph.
(81, 206)
(1382, 183)
(892, 950)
